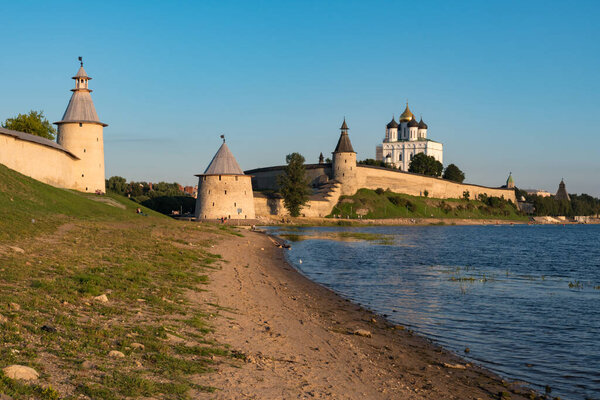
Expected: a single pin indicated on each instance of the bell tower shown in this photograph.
(81, 132)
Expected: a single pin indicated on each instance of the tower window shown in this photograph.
(80, 124)
(213, 203)
(236, 178)
(219, 177)
(235, 204)
(226, 192)
(84, 150)
(82, 175)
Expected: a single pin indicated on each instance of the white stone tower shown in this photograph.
(81, 132)
(224, 191)
(344, 163)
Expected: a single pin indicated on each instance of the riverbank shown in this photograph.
(304, 221)
(297, 339)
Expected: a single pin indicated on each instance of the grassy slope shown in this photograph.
(380, 206)
(76, 249)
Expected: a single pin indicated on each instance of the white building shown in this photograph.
(402, 141)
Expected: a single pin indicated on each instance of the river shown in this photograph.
(524, 300)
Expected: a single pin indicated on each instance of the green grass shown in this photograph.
(394, 205)
(78, 248)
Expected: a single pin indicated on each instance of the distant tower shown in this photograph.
(510, 183)
(223, 189)
(344, 163)
(81, 132)
(562, 194)
(321, 159)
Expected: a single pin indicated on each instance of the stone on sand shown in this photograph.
(21, 372)
(137, 346)
(363, 333)
(102, 298)
(116, 354)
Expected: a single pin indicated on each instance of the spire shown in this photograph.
(392, 123)
(510, 183)
(344, 126)
(344, 145)
(223, 163)
(321, 159)
(81, 107)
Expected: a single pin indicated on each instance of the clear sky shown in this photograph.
(506, 86)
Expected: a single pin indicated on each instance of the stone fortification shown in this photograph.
(224, 191)
(371, 177)
(38, 158)
(76, 160)
(225, 196)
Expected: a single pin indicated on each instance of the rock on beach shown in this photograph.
(21, 372)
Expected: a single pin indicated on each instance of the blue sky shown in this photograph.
(506, 86)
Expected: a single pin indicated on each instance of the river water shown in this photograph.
(524, 299)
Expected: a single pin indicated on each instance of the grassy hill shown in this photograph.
(386, 204)
(61, 249)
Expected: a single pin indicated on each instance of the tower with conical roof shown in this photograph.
(344, 162)
(81, 133)
(224, 191)
(510, 182)
(562, 194)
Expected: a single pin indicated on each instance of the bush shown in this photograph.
(379, 191)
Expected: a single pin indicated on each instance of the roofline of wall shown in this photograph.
(244, 174)
(36, 140)
(80, 122)
(278, 167)
(428, 176)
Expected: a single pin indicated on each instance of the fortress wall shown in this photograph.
(43, 163)
(223, 195)
(414, 184)
(266, 178)
(264, 206)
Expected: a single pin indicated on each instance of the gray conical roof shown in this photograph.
(81, 107)
(81, 73)
(223, 163)
(344, 145)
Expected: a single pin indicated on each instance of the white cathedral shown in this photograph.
(402, 141)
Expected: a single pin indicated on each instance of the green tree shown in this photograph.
(34, 123)
(426, 165)
(453, 173)
(116, 184)
(466, 195)
(293, 184)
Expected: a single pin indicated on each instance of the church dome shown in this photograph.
(422, 125)
(407, 115)
(392, 124)
(413, 123)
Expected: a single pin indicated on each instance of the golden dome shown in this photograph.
(406, 115)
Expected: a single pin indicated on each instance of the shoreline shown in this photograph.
(298, 339)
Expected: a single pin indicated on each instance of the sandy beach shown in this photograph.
(297, 339)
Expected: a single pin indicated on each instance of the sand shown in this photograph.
(296, 339)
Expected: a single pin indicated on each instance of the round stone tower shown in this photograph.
(344, 163)
(81, 132)
(223, 189)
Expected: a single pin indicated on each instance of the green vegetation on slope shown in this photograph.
(148, 267)
(385, 204)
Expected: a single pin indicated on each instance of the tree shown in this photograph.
(34, 123)
(116, 184)
(466, 195)
(293, 184)
(426, 165)
(453, 173)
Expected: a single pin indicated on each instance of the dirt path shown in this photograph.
(297, 339)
